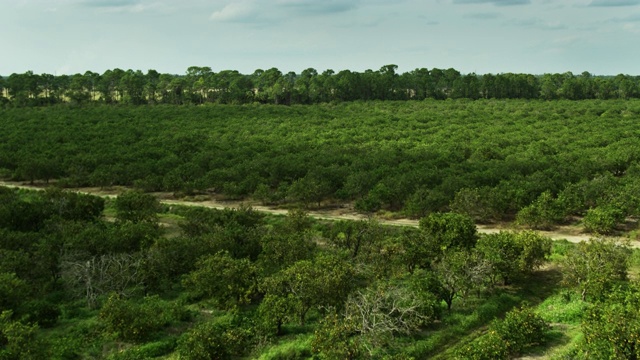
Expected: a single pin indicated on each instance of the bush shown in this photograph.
(521, 328)
(18, 341)
(137, 321)
(542, 214)
(611, 327)
(487, 347)
(218, 339)
(602, 220)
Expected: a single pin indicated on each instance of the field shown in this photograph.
(489, 159)
(131, 277)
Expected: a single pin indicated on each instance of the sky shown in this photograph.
(481, 36)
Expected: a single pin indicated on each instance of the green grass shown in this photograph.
(565, 307)
(288, 348)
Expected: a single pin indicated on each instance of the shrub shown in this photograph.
(611, 327)
(487, 347)
(542, 214)
(18, 341)
(521, 328)
(218, 339)
(136, 322)
(602, 220)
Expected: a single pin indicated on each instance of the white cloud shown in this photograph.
(261, 11)
(237, 11)
(614, 3)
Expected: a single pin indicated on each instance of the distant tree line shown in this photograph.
(202, 85)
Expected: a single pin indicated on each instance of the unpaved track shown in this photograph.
(340, 214)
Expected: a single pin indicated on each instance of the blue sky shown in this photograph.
(482, 36)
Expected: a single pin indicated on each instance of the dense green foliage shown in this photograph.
(488, 159)
(155, 281)
(116, 281)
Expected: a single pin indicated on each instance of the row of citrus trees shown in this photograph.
(541, 163)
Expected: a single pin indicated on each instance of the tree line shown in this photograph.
(202, 85)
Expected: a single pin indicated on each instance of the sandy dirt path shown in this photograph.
(560, 233)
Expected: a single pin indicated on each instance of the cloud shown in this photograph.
(316, 7)
(494, 2)
(630, 18)
(612, 3)
(119, 6)
(109, 3)
(483, 16)
(538, 24)
(240, 11)
(256, 11)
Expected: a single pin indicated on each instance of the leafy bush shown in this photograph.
(602, 220)
(230, 282)
(450, 230)
(218, 339)
(18, 341)
(488, 347)
(335, 338)
(542, 214)
(611, 328)
(594, 267)
(136, 322)
(521, 328)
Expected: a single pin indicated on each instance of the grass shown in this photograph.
(289, 348)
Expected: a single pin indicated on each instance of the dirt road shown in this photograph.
(567, 233)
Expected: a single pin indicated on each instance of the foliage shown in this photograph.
(542, 214)
(324, 282)
(602, 220)
(417, 250)
(611, 327)
(488, 347)
(519, 330)
(470, 202)
(281, 249)
(458, 273)
(506, 164)
(224, 338)
(594, 267)
(237, 231)
(130, 321)
(136, 207)
(136, 321)
(146, 351)
(200, 85)
(228, 281)
(449, 230)
(335, 338)
(514, 255)
(12, 291)
(19, 341)
(274, 311)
